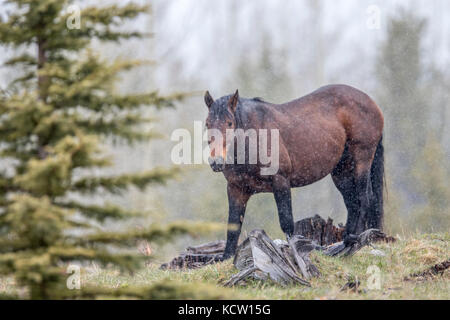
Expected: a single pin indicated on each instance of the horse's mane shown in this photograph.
(258, 99)
(248, 106)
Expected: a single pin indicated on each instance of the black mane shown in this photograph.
(245, 106)
(258, 99)
(220, 106)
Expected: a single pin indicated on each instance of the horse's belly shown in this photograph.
(304, 178)
(314, 160)
(307, 172)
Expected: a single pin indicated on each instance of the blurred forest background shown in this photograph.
(280, 51)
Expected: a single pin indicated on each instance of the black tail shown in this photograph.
(377, 179)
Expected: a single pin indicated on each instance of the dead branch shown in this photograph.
(437, 269)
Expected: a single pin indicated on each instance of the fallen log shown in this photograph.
(196, 257)
(208, 248)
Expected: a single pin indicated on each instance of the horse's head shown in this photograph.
(221, 117)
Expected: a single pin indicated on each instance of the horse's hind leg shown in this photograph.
(343, 179)
(362, 157)
(363, 192)
(352, 178)
(282, 194)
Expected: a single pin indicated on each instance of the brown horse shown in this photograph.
(335, 130)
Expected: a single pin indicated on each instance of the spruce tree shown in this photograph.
(408, 98)
(402, 93)
(54, 118)
(432, 174)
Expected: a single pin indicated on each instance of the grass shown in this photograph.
(401, 259)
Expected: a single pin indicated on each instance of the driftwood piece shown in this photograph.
(196, 257)
(316, 228)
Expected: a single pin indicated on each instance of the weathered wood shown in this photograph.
(240, 276)
(303, 247)
(289, 262)
(196, 257)
(270, 259)
(319, 230)
(214, 247)
(366, 238)
(432, 271)
(312, 228)
(284, 262)
(299, 258)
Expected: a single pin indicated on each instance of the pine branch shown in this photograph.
(112, 15)
(96, 23)
(100, 213)
(127, 262)
(153, 234)
(24, 59)
(118, 184)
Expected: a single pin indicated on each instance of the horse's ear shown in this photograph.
(208, 99)
(232, 103)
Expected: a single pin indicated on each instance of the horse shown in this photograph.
(336, 130)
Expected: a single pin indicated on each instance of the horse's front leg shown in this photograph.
(237, 202)
(282, 194)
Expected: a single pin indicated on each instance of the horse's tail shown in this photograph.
(377, 180)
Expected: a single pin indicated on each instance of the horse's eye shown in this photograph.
(230, 124)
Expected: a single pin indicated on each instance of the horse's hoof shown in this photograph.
(350, 239)
(221, 258)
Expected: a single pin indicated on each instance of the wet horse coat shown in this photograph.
(334, 130)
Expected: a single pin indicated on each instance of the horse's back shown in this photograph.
(316, 127)
(351, 107)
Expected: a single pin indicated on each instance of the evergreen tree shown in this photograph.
(409, 93)
(432, 174)
(402, 94)
(53, 118)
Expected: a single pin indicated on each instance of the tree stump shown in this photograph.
(283, 262)
(319, 230)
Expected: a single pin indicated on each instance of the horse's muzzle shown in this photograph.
(217, 164)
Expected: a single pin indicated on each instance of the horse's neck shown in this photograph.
(246, 114)
(240, 117)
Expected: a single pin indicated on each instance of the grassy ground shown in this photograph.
(401, 259)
